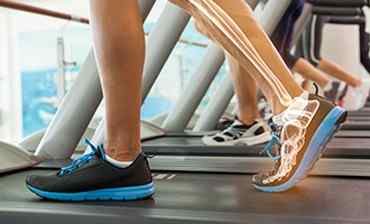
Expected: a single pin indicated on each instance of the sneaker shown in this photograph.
(225, 122)
(356, 97)
(240, 134)
(92, 177)
(348, 97)
(335, 91)
(300, 135)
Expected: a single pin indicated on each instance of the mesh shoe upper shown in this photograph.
(95, 174)
(293, 142)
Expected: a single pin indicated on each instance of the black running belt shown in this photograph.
(339, 3)
(199, 198)
(356, 125)
(335, 11)
(193, 146)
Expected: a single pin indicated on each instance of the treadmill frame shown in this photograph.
(86, 91)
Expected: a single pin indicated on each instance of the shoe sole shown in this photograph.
(250, 141)
(317, 146)
(111, 194)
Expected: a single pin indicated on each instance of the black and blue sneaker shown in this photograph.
(92, 177)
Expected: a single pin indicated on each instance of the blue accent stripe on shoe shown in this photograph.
(317, 145)
(113, 194)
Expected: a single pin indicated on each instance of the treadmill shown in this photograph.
(352, 142)
(199, 187)
(342, 13)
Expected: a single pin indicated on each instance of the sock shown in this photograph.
(240, 123)
(118, 163)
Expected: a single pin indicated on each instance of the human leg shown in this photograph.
(247, 128)
(300, 119)
(124, 173)
(310, 72)
(119, 47)
(313, 38)
(247, 42)
(246, 92)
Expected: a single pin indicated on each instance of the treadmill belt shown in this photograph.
(199, 198)
(353, 134)
(359, 118)
(356, 125)
(193, 146)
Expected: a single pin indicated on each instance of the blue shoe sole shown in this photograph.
(317, 146)
(111, 194)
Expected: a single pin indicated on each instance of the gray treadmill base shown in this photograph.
(353, 134)
(199, 198)
(187, 145)
(14, 158)
(252, 165)
(238, 165)
(356, 125)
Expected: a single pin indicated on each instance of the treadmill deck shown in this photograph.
(199, 198)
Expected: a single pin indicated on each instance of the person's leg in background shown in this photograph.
(120, 52)
(118, 170)
(310, 72)
(245, 86)
(257, 48)
(347, 90)
(313, 38)
(246, 91)
(247, 128)
(338, 72)
(299, 116)
(282, 38)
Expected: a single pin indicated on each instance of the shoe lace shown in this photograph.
(77, 163)
(296, 119)
(269, 148)
(234, 131)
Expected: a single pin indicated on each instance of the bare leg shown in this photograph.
(120, 49)
(246, 91)
(232, 25)
(337, 72)
(307, 85)
(310, 72)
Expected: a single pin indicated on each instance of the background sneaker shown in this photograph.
(348, 97)
(335, 91)
(92, 177)
(240, 134)
(356, 97)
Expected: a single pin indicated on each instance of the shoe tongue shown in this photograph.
(100, 152)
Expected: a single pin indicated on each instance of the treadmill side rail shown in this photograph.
(14, 158)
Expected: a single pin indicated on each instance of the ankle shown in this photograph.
(248, 120)
(122, 154)
(277, 109)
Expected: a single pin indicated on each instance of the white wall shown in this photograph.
(80, 8)
(341, 45)
(10, 94)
